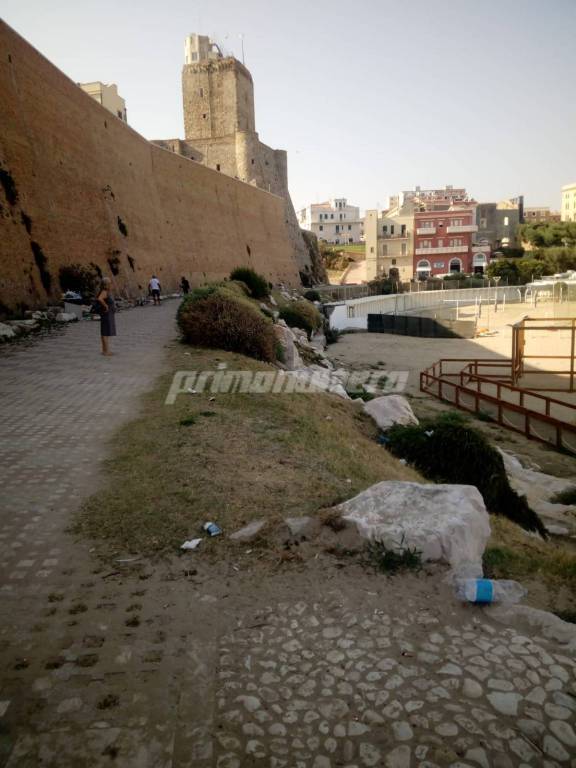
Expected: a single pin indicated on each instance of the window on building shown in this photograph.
(455, 265)
(201, 92)
(204, 116)
(349, 227)
(350, 239)
(440, 243)
(337, 241)
(321, 228)
(252, 161)
(217, 166)
(384, 228)
(393, 261)
(505, 221)
(403, 249)
(384, 250)
(331, 215)
(340, 217)
(371, 249)
(391, 229)
(403, 229)
(337, 228)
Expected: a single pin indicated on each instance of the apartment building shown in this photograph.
(389, 238)
(540, 215)
(568, 209)
(443, 242)
(107, 95)
(498, 223)
(333, 222)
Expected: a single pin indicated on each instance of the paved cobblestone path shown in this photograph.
(185, 663)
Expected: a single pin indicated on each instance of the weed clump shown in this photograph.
(393, 559)
(448, 450)
(302, 314)
(256, 283)
(217, 317)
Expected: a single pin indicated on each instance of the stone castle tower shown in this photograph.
(220, 128)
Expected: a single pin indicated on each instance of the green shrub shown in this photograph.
(312, 296)
(302, 314)
(257, 285)
(216, 317)
(447, 450)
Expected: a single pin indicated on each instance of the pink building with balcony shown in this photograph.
(443, 242)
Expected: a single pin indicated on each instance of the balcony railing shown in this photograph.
(462, 228)
(426, 231)
(399, 236)
(444, 249)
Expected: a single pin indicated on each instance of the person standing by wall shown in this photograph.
(107, 311)
(154, 287)
(184, 286)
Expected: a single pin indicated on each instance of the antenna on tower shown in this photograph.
(241, 36)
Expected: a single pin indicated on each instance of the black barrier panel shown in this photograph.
(414, 325)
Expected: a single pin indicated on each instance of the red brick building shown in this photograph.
(443, 242)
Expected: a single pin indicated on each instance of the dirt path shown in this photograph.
(229, 662)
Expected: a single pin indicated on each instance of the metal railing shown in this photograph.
(483, 386)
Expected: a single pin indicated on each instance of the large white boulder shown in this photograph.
(389, 410)
(538, 488)
(445, 522)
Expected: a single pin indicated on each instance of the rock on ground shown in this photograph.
(444, 522)
(389, 410)
(292, 359)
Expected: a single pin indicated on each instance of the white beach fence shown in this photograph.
(353, 314)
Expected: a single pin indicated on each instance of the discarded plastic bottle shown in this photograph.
(212, 529)
(484, 591)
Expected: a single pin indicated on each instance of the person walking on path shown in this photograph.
(107, 314)
(154, 288)
(185, 286)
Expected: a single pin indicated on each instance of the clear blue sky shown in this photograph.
(368, 97)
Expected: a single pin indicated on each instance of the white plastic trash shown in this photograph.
(191, 544)
(485, 591)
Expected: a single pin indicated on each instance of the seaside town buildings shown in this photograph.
(541, 214)
(107, 95)
(334, 221)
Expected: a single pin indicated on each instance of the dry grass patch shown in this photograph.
(512, 554)
(257, 456)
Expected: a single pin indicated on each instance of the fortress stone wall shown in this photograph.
(77, 185)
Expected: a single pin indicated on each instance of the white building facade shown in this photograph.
(107, 95)
(568, 209)
(333, 222)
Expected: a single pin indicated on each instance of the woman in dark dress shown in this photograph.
(107, 318)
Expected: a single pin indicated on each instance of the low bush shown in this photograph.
(302, 314)
(312, 296)
(215, 317)
(257, 285)
(447, 450)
